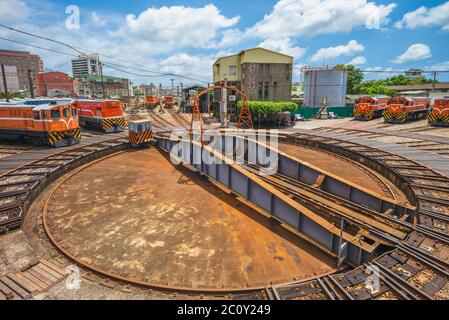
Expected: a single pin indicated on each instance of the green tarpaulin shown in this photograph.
(309, 113)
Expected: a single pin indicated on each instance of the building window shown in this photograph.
(266, 91)
(260, 91)
(232, 70)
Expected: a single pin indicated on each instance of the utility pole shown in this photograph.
(172, 86)
(5, 85)
(208, 98)
(434, 81)
(224, 102)
(102, 82)
(160, 97)
(30, 81)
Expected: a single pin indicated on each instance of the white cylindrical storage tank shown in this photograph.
(329, 83)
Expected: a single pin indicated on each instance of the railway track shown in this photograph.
(416, 269)
(7, 150)
(386, 189)
(419, 143)
(430, 189)
(20, 185)
(37, 277)
(334, 208)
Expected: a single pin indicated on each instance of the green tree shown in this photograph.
(12, 95)
(355, 76)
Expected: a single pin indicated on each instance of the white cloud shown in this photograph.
(377, 72)
(283, 45)
(97, 21)
(442, 66)
(421, 17)
(334, 52)
(358, 61)
(193, 65)
(415, 52)
(229, 38)
(291, 18)
(13, 10)
(177, 26)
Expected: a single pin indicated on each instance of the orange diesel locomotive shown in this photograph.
(105, 115)
(401, 110)
(440, 113)
(55, 124)
(152, 102)
(368, 108)
(169, 102)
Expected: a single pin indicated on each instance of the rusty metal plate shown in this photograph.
(356, 277)
(434, 285)
(415, 239)
(387, 261)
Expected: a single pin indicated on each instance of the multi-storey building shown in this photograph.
(27, 65)
(262, 74)
(11, 77)
(92, 86)
(86, 66)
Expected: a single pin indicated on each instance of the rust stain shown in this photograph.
(129, 215)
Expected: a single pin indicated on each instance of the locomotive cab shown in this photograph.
(54, 123)
(402, 109)
(60, 122)
(106, 116)
(440, 113)
(368, 108)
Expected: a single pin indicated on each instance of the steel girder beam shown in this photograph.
(315, 228)
(306, 173)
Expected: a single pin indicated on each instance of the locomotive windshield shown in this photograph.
(55, 114)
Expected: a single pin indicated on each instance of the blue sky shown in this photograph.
(185, 37)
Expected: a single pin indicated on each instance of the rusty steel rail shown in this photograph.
(20, 185)
(413, 179)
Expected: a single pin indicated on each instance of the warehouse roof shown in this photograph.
(253, 49)
(424, 86)
(106, 79)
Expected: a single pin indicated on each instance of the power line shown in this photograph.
(109, 64)
(376, 71)
(160, 74)
(38, 47)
